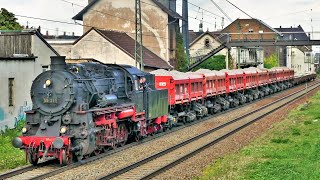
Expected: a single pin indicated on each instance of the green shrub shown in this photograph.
(307, 122)
(295, 132)
(280, 141)
(214, 63)
(271, 61)
(11, 157)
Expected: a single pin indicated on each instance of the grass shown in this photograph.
(11, 157)
(291, 150)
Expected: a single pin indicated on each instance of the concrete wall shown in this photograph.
(23, 72)
(63, 49)
(154, 20)
(93, 45)
(301, 62)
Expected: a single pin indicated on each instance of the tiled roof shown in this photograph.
(257, 20)
(171, 13)
(293, 33)
(127, 44)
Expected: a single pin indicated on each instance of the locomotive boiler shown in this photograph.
(87, 108)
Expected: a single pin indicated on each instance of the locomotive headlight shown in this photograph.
(48, 82)
(24, 130)
(63, 130)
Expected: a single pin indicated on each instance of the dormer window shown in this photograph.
(207, 42)
(250, 30)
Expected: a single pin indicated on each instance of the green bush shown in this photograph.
(181, 57)
(11, 157)
(214, 63)
(271, 61)
(280, 141)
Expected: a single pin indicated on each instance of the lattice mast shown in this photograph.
(138, 55)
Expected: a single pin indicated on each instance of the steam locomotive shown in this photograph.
(85, 109)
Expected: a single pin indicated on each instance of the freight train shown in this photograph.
(80, 110)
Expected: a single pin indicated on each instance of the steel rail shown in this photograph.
(13, 173)
(23, 170)
(166, 151)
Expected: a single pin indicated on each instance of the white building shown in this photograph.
(300, 60)
(23, 56)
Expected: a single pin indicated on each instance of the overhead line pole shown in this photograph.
(185, 28)
(138, 55)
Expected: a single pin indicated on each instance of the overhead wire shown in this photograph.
(239, 9)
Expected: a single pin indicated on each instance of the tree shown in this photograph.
(214, 63)
(271, 61)
(8, 21)
(181, 57)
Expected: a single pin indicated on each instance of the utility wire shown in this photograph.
(239, 9)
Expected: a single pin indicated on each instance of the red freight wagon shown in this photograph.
(196, 90)
(272, 76)
(288, 73)
(182, 87)
(165, 81)
(210, 81)
(254, 81)
(250, 78)
(263, 76)
(231, 81)
(241, 78)
(280, 73)
(221, 82)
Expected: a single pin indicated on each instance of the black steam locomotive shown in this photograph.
(87, 108)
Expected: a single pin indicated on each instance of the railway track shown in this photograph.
(45, 170)
(161, 161)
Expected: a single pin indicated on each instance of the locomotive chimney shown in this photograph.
(58, 63)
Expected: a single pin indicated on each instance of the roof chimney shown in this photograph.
(201, 27)
(47, 33)
(280, 27)
(64, 33)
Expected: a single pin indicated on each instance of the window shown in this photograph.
(250, 30)
(207, 42)
(11, 86)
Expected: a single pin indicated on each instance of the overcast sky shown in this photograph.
(274, 12)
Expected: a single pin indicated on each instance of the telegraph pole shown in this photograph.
(185, 28)
(138, 55)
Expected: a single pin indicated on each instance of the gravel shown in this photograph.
(113, 162)
(194, 166)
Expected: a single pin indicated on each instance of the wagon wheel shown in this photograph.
(65, 158)
(33, 156)
(98, 150)
(122, 134)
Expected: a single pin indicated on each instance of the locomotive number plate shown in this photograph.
(50, 100)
